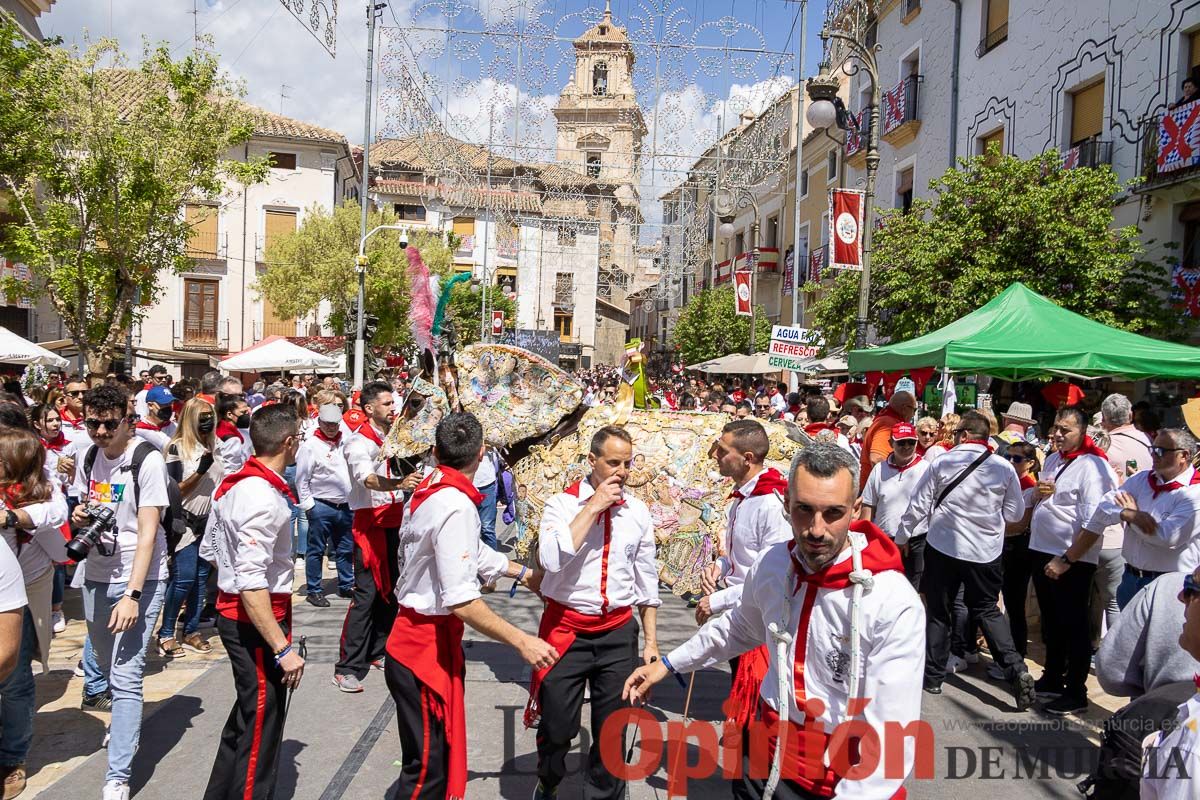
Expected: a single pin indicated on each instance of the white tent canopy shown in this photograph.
(278, 355)
(15, 350)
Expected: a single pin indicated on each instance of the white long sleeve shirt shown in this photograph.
(322, 472)
(889, 492)
(1079, 486)
(1174, 546)
(755, 523)
(233, 453)
(442, 558)
(48, 545)
(1172, 757)
(893, 652)
(250, 531)
(360, 454)
(969, 524)
(606, 572)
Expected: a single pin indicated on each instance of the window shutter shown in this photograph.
(1087, 113)
(464, 226)
(905, 184)
(997, 15)
(279, 223)
(202, 242)
(1193, 53)
(997, 139)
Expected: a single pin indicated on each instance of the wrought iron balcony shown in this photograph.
(992, 40)
(900, 111)
(206, 245)
(203, 335)
(1170, 147)
(1092, 153)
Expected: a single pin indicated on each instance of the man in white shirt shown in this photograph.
(965, 500)
(156, 376)
(154, 425)
(889, 492)
(1074, 480)
(126, 569)
(12, 610)
(376, 500)
(323, 489)
(1158, 509)
(804, 589)
(442, 564)
(233, 421)
(597, 546)
(251, 543)
(486, 481)
(75, 431)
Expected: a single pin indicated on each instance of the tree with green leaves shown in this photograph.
(709, 328)
(995, 220)
(97, 164)
(317, 263)
(466, 310)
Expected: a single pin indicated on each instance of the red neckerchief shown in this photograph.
(1089, 447)
(227, 430)
(1028, 482)
(988, 445)
(1196, 681)
(443, 478)
(880, 555)
(907, 466)
(332, 441)
(1158, 488)
(769, 482)
(57, 443)
(312, 411)
(208, 398)
(69, 418)
(355, 418)
(255, 469)
(816, 427)
(142, 425)
(369, 432)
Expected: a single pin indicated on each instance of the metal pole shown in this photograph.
(797, 270)
(484, 322)
(360, 346)
(864, 285)
(753, 269)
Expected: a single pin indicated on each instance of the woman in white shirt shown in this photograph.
(32, 519)
(192, 464)
(60, 466)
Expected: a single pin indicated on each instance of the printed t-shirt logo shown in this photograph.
(104, 492)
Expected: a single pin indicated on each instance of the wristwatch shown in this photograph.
(1067, 559)
(133, 594)
(10, 519)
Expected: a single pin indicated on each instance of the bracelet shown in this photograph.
(671, 669)
(1068, 561)
(512, 592)
(287, 648)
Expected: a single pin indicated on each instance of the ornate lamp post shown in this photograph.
(726, 201)
(826, 109)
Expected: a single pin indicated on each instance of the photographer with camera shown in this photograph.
(250, 539)
(123, 549)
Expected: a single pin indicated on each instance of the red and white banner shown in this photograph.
(1179, 138)
(846, 228)
(741, 292)
(497, 323)
(893, 106)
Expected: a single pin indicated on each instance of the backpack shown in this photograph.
(173, 519)
(1118, 769)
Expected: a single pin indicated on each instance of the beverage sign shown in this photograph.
(793, 349)
(783, 362)
(797, 335)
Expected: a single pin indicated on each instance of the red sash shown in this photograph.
(230, 606)
(431, 648)
(558, 628)
(747, 682)
(368, 531)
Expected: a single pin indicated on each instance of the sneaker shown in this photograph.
(542, 793)
(14, 781)
(932, 688)
(346, 593)
(347, 683)
(1066, 704)
(107, 737)
(317, 599)
(1047, 689)
(377, 664)
(1023, 691)
(995, 671)
(58, 621)
(79, 673)
(956, 664)
(971, 658)
(116, 790)
(97, 702)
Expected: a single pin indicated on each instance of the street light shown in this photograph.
(360, 265)
(726, 202)
(826, 110)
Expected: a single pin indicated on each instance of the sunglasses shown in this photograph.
(107, 424)
(1191, 590)
(1159, 452)
(76, 393)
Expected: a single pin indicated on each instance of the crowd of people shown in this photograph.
(869, 571)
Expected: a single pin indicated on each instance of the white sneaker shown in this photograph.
(116, 790)
(955, 664)
(59, 621)
(104, 745)
(79, 673)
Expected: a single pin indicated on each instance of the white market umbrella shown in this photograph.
(279, 355)
(756, 364)
(16, 350)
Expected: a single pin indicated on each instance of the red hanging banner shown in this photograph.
(741, 291)
(846, 228)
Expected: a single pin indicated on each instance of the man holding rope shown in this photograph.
(846, 633)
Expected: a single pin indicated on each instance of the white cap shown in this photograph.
(330, 413)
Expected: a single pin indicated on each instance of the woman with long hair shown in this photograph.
(34, 514)
(48, 425)
(1018, 566)
(191, 462)
(296, 400)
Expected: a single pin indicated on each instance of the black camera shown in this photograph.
(103, 519)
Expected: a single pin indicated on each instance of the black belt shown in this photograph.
(338, 506)
(1143, 573)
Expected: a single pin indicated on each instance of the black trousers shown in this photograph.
(605, 661)
(424, 754)
(1018, 568)
(369, 618)
(914, 562)
(1064, 608)
(250, 737)
(981, 589)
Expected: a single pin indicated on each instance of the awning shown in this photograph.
(18, 350)
(1020, 335)
(277, 354)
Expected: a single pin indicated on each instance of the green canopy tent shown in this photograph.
(1021, 335)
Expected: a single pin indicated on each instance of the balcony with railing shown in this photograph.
(1091, 153)
(1170, 147)
(204, 335)
(275, 328)
(466, 247)
(900, 111)
(206, 246)
(992, 39)
(856, 138)
(818, 258)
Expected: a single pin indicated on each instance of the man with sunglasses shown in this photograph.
(1158, 508)
(888, 494)
(126, 571)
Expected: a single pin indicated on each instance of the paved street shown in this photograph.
(346, 746)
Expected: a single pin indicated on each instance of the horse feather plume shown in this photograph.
(444, 300)
(421, 310)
